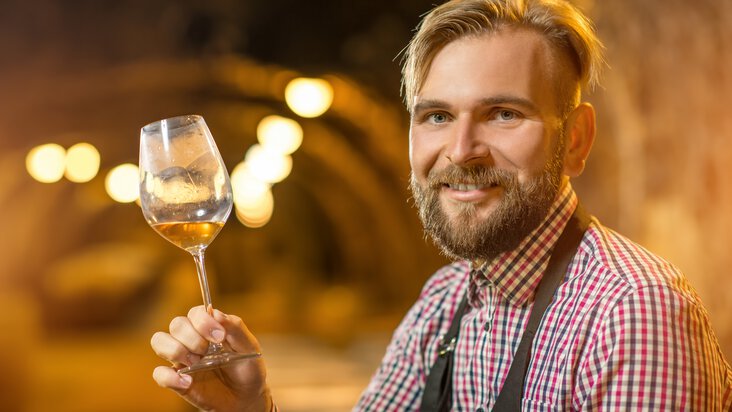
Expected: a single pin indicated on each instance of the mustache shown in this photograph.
(477, 174)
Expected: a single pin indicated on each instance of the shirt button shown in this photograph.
(487, 326)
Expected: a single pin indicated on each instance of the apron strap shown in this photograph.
(438, 389)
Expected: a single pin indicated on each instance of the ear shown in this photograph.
(580, 134)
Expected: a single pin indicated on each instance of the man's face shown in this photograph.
(486, 144)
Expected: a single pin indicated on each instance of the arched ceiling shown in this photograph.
(341, 218)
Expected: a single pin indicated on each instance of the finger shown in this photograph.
(206, 325)
(170, 349)
(184, 332)
(238, 335)
(167, 377)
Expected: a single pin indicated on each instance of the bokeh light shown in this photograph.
(257, 212)
(279, 134)
(123, 183)
(267, 165)
(309, 97)
(82, 162)
(46, 163)
(247, 188)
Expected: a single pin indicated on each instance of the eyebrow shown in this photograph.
(509, 99)
(430, 104)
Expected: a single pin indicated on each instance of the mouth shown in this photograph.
(468, 187)
(462, 192)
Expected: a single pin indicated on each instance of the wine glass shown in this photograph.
(186, 196)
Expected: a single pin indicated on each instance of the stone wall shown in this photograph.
(660, 169)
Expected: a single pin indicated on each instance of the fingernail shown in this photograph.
(186, 380)
(217, 335)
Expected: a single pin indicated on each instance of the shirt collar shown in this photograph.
(517, 273)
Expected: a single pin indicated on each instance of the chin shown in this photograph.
(461, 213)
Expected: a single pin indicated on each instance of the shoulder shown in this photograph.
(441, 293)
(646, 323)
(430, 315)
(437, 301)
(622, 261)
(399, 379)
(615, 277)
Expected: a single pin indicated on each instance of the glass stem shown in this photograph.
(203, 281)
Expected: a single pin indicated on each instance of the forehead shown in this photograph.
(509, 61)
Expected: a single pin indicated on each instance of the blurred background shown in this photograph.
(322, 261)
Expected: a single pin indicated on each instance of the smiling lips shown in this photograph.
(465, 187)
(468, 192)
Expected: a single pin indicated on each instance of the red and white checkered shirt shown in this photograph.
(625, 331)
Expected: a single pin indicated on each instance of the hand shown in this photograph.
(241, 386)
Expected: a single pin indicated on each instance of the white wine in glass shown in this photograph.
(186, 196)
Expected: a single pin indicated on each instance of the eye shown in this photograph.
(506, 115)
(437, 117)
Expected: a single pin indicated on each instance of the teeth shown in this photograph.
(465, 187)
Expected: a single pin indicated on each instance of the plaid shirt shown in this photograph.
(625, 332)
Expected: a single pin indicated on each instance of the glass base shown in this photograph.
(217, 360)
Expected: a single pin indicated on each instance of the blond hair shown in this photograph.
(566, 28)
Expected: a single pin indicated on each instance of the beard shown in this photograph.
(521, 209)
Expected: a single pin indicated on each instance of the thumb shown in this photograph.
(169, 378)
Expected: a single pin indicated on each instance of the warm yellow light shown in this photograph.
(257, 212)
(46, 163)
(257, 206)
(122, 183)
(309, 97)
(279, 134)
(82, 163)
(267, 165)
(245, 186)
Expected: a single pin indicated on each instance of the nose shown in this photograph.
(466, 146)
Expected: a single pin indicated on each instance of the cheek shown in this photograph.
(527, 156)
(422, 154)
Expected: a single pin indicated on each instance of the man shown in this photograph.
(497, 129)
